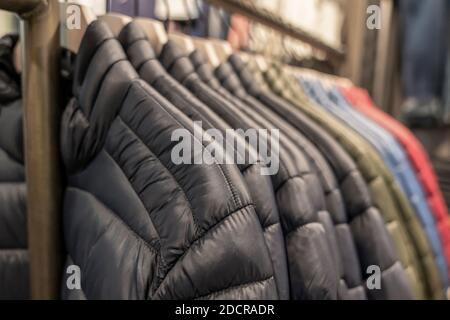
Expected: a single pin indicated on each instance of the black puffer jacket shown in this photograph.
(344, 250)
(9, 78)
(14, 271)
(374, 244)
(139, 226)
(142, 57)
(298, 192)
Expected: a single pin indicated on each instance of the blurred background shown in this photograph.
(396, 49)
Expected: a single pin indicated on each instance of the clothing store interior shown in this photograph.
(224, 150)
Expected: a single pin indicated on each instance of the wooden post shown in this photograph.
(40, 77)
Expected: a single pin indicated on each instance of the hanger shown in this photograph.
(155, 32)
(183, 41)
(248, 58)
(261, 62)
(245, 56)
(116, 21)
(222, 48)
(206, 47)
(72, 31)
(256, 60)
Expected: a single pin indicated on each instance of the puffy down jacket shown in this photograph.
(361, 101)
(394, 158)
(376, 241)
(14, 278)
(345, 255)
(411, 242)
(138, 225)
(141, 55)
(299, 196)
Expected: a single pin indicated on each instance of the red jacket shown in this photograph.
(361, 101)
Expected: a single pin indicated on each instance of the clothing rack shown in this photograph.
(39, 27)
(40, 22)
(263, 16)
(40, 41)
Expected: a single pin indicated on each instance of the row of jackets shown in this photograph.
(354, 211)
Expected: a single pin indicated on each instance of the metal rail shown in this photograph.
(261, 15)
(40, 77)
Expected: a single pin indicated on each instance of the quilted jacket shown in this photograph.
(14, 282)
(297, 190)
(411, 242)
(141, 55)
(361, 101)
(138, 225)
(366, 224)
(395, 159)
(351, 284)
